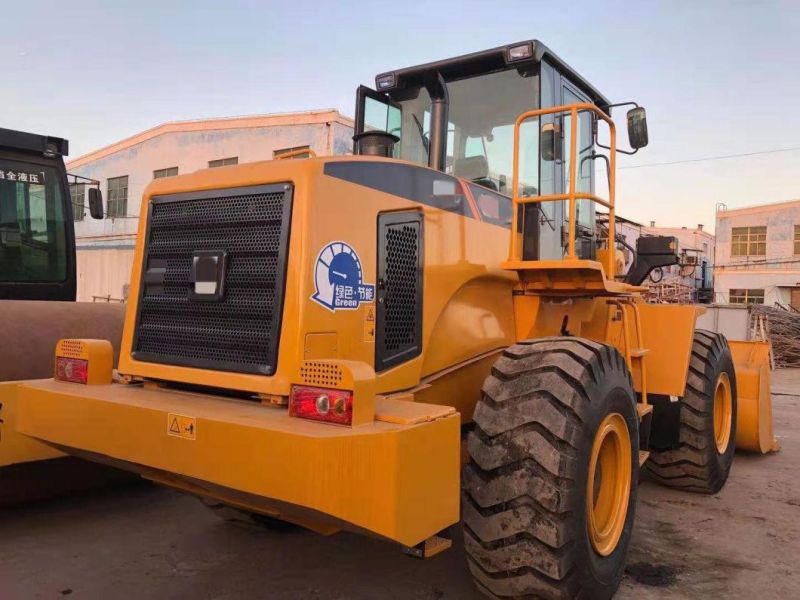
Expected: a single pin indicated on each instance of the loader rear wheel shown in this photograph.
(703, 458)
(550, 487)
(244, 518)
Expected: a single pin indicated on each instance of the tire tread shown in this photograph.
(691, 466)
(519, 483)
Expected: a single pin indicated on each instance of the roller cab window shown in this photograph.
(33, 245)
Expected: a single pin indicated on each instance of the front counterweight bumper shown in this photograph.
(398, 480)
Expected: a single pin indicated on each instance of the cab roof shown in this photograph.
(32, 142)
(488, 61)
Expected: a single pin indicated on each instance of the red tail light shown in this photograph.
(320, 404)
(75, 370)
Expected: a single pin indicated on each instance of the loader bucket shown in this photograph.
(754, 420)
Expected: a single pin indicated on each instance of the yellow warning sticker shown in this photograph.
(369, 324)
(369, 331)
(182, 426)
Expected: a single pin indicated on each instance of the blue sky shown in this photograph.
(717, 78)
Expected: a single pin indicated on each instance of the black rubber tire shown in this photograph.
(243, 518)
(696, 465)
(524, 510)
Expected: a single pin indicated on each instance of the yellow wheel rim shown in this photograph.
(609, 484)
(723, 412)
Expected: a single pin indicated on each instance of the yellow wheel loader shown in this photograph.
(37, 307)
(427, 329)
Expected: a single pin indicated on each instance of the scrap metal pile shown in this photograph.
(670, 290)
(782, 328)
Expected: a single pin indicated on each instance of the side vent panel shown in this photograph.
(321, 374)
(399, 312)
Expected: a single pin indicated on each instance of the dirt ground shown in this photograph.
(145, 542)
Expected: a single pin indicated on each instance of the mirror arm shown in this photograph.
(620, 150)
(608, 107)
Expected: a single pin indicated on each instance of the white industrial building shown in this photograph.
(124, 169)
(758, 255)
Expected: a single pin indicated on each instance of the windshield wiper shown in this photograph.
(425, 141)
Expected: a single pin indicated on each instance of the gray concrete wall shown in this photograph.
(776, 283)
(104, 273)
(733, 321)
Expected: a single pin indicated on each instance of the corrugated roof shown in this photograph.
(268, 120)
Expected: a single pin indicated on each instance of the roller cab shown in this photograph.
(37, 308)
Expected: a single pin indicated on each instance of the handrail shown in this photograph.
(571, 195)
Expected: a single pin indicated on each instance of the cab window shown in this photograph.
(32, 224)
(379, 116)
(494, 208)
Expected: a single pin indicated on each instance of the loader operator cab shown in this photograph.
(458, 116)
(37, 240)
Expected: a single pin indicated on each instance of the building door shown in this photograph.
(794, 298)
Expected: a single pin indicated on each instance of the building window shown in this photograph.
(117, 197)
(168, 172)
(77, 192)
(302, 152)
(742, 296)
(797, 239)
(749, 241)
(223, 162)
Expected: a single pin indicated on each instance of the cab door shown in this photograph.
(584, 175)
(375, 111)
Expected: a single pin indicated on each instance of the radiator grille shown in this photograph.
(400, 288)
(240, 332)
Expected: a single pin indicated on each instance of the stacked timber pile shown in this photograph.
(782, 328)
(669, 291)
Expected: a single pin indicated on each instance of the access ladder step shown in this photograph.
(430, 547)
(643, 410)
(643, 456)
(638, 352)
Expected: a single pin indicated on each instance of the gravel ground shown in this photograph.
(146, 542)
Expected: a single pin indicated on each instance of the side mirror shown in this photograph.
(549, 142)
(95, 203)
(637, 128)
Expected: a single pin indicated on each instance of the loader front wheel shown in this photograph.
(703, 457)
(550, 487)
